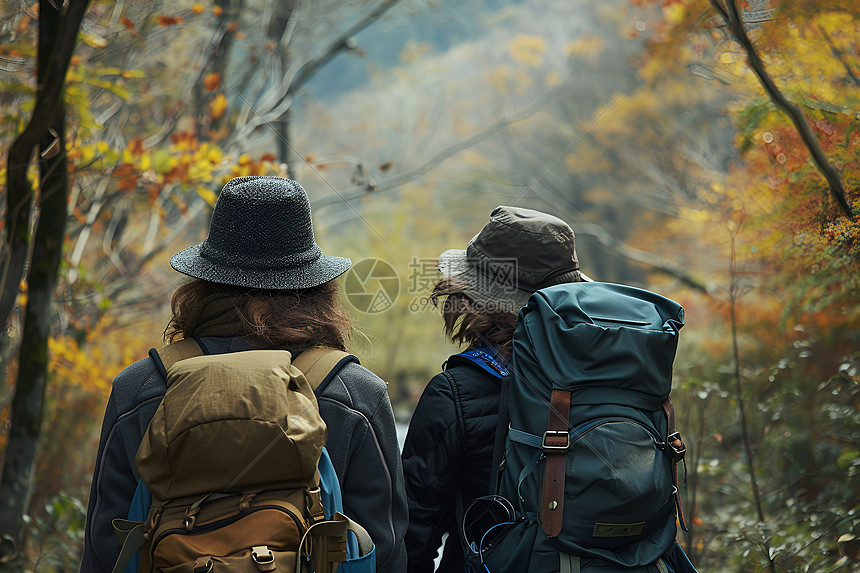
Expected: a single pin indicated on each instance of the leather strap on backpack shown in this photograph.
(556, 441)
(676, 444)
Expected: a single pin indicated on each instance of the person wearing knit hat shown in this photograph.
(259, 280)
(449, 444)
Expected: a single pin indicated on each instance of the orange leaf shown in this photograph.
(127, 183)
(217, 10)
(126, 21)
(135, 146)
(212, 82)
(169, 20)
(152, 192)
(268, 157)
(197, 8)
(232, 27)
(123, 170)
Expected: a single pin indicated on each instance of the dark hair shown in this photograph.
(465, 322)
(290, 319)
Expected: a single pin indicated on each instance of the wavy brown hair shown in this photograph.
(465, 324)
(290, 319)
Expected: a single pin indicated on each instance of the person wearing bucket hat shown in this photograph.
(259, 280)
(449, 444)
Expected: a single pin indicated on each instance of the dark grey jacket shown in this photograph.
(362, 443)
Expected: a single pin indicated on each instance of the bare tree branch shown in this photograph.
(416, 172)
(280, 100)
(653, 260)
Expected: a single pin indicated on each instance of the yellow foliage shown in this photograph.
(88, 153)
(839, 24)
(499, 77)
(413, 51)
(218, 106)
(553, 78)
(527, 49)
(730, 58)
(674, 13)
(85, 369)
(207, 194)
(587, 161)
(213, 153)
(93, 40)
(697, 215)
(586, 45)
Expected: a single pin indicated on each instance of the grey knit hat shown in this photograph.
(261, 237)
(517, 253)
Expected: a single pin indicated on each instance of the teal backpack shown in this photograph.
(586, 446)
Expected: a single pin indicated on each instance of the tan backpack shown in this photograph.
(230, 457)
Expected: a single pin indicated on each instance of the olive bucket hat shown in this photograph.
(517, 253)
(261, 237)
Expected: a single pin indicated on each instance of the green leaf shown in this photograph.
(161, 161)
(847, 458)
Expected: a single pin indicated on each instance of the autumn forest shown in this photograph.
(708, 150)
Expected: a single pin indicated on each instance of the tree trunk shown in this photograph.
(57, 34)
(55, 52)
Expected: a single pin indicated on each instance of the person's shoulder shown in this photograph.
(138, 382)
(355, 387)
(361, 381)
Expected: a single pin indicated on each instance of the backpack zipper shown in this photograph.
(583, 429)
(202, 529)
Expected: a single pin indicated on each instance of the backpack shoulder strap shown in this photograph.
(502, 422)
(318, 362)
(173, 353)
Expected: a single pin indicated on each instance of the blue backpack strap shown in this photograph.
(484, 358)
(329, 486)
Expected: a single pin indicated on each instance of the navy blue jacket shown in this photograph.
(446, 460)
(362, 443)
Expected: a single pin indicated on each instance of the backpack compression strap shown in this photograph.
(556, 441)
(678, 451)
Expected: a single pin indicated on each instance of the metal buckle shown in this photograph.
(677, 444)
(555, 448)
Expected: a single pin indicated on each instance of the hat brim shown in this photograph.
(489, 295)
(493, 296)
(191, 262)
